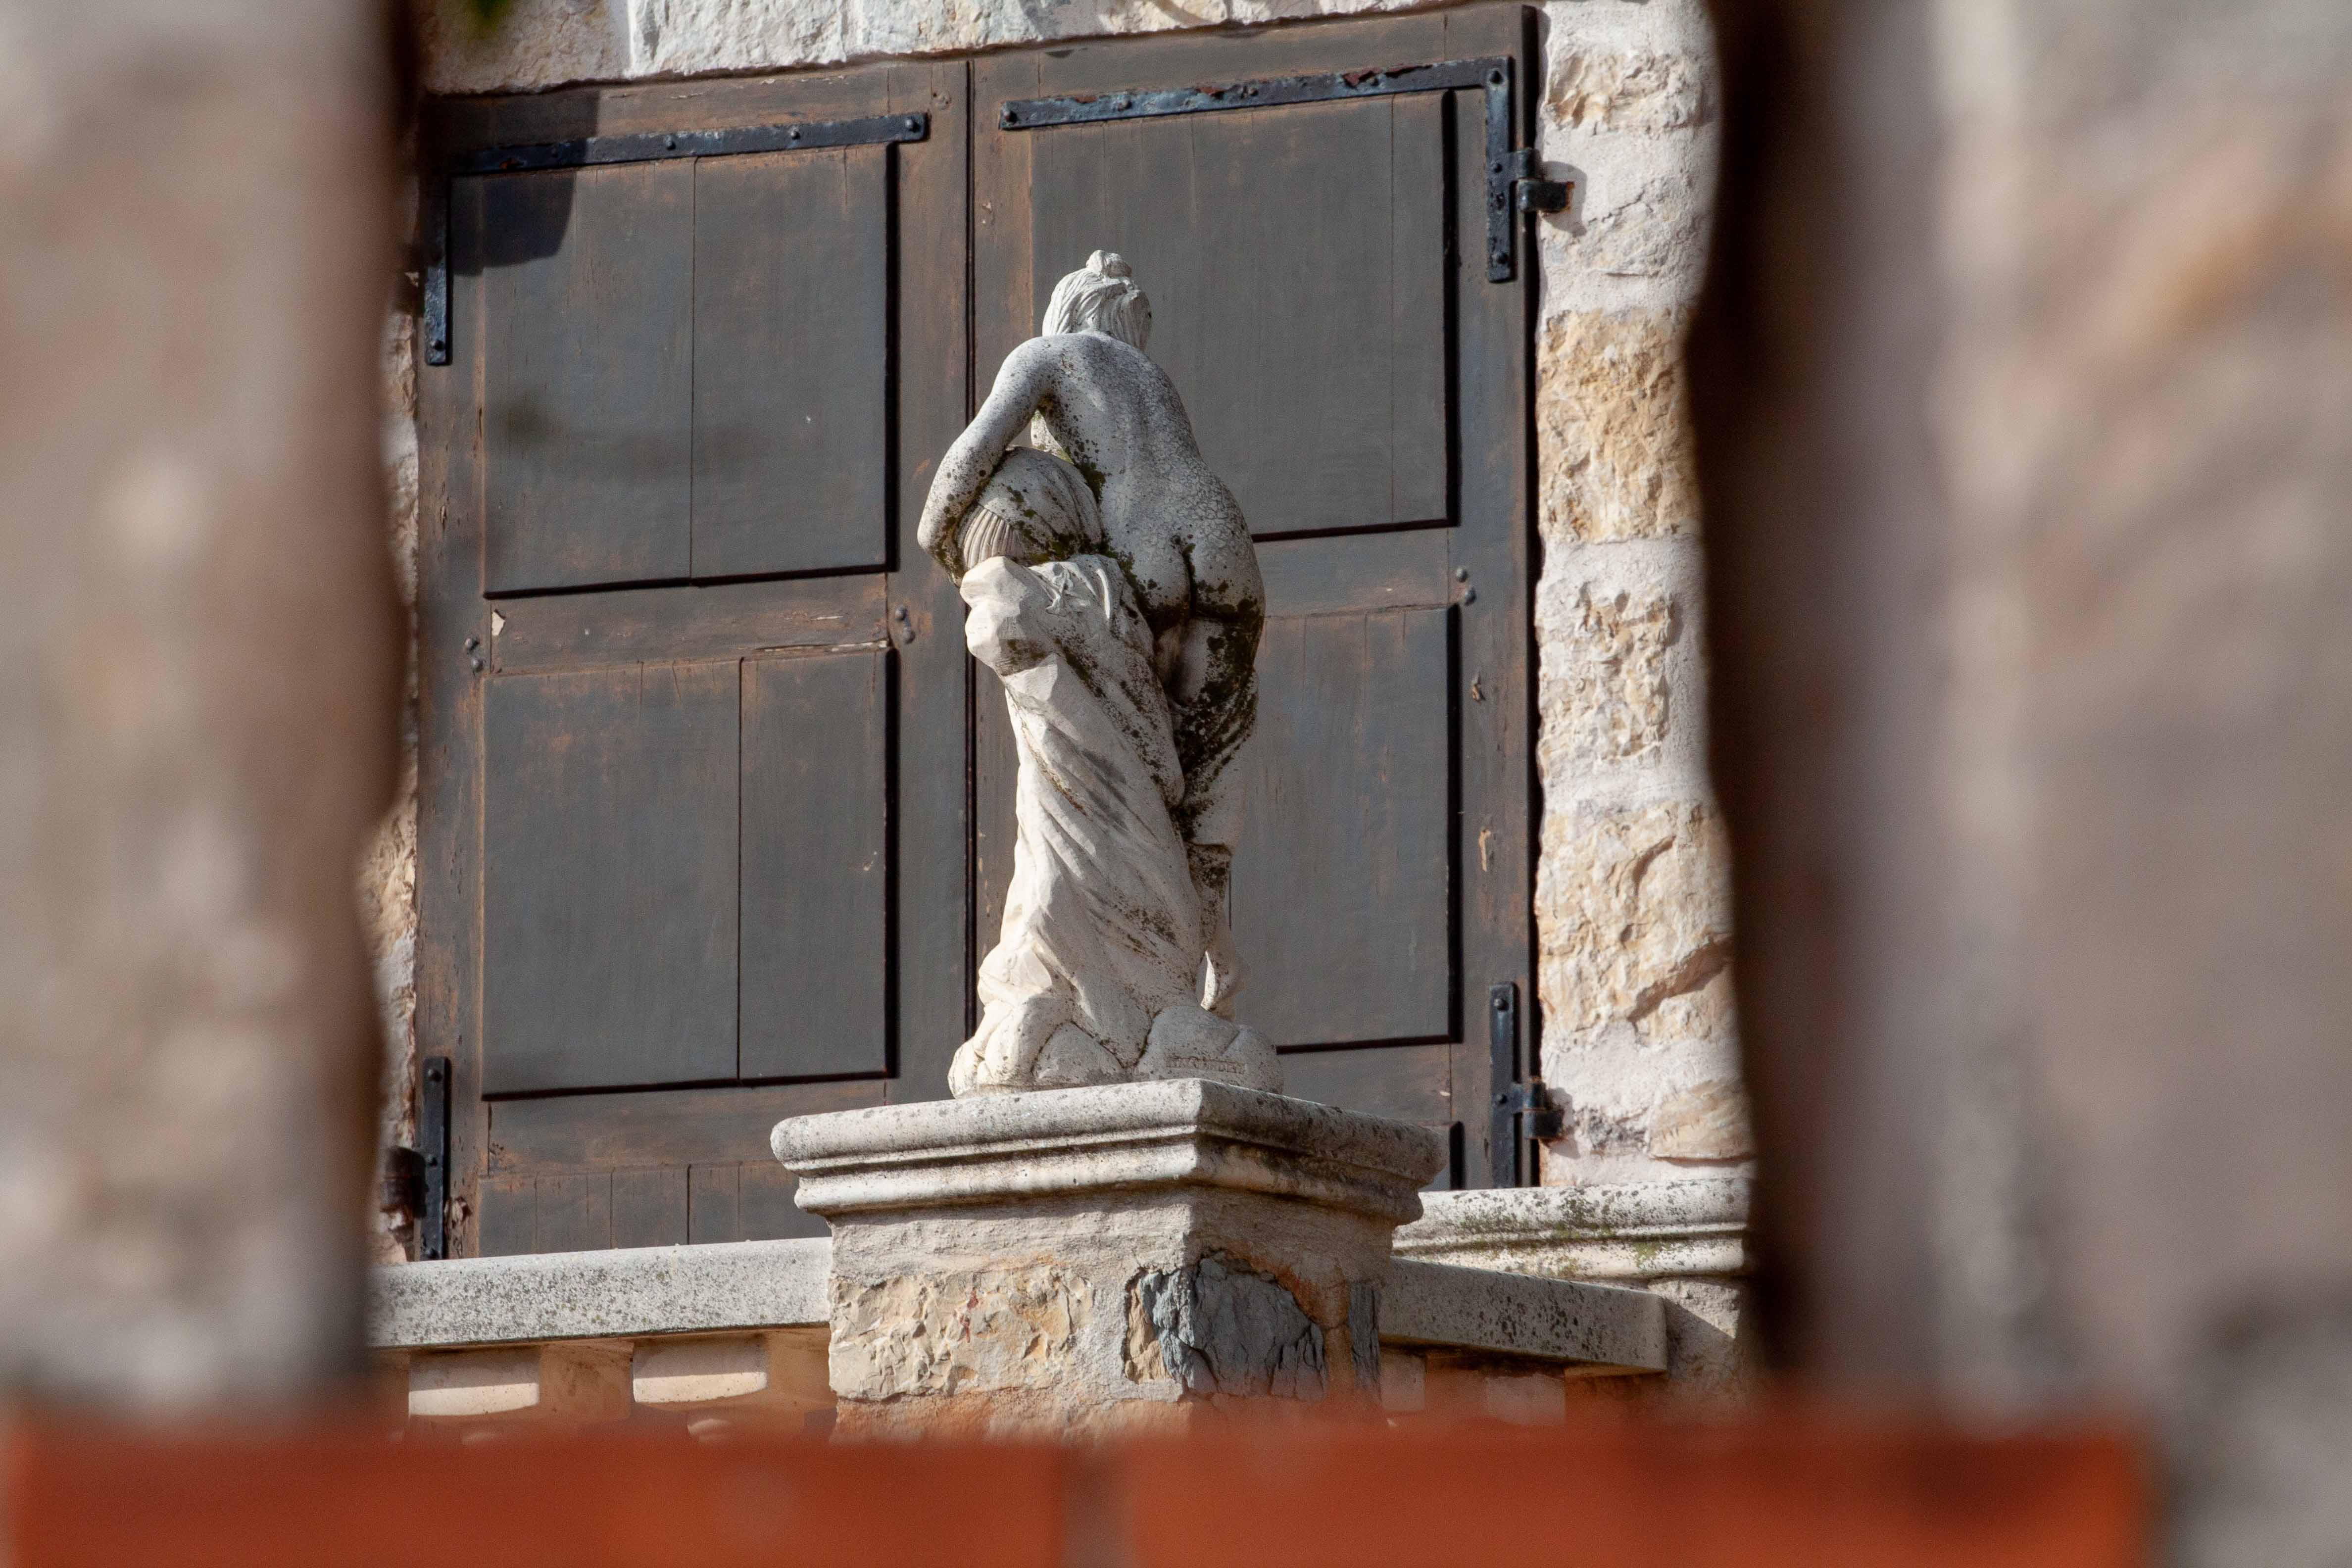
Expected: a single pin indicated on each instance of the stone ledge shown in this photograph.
(659, 1291)
(1064, 1142)
(628, 1293)
(1633, 1232)
(1602, 1327)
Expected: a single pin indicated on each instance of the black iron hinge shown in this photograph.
(433, 1140)
(1530, 192)
(1520, 1109)
(1514, 184)
(649, 147)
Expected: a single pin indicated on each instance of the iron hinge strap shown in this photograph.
(1521, 1108)
(1530, 191)
(433, 1138)
(644, 147)
(1531, 1100)
(1513, 185)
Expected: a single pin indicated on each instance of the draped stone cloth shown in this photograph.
(1102, 923)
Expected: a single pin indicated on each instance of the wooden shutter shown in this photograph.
(694, 707)
(1320, 299)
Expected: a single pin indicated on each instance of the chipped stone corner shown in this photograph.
(1219, 1327)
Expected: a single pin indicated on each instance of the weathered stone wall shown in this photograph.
(1630, 903)
(2025, 415)
(1632, 908)
(388, 873)
(201, 656)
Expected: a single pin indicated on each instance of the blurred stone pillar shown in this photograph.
(2024, 419)
(197, 720)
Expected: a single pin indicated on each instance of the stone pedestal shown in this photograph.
(1089, 1260)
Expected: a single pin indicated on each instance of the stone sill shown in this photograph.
(728, 1335)
(1636, 1233)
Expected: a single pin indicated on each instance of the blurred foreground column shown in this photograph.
(196, 724)
(2024, 393)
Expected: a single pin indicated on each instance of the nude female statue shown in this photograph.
(1097, 975)
(1097, 401)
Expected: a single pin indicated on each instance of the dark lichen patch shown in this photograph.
(1222, 1327)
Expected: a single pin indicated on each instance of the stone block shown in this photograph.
(1073, 1262)
(1635, 88)
(1604, 694)
(1633, 910)
(1702, 1121)
(1474, 1390)
(1611, 432)
(1596, 1326)
(624, 1293)
(1634, 1232)
(574, 1383)
(1682, 1242)
(699, 1371)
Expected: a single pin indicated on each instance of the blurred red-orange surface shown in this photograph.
(1758, 1492)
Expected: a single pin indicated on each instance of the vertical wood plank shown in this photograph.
(573, 1214)
(504, 1220)
(649, 1207)
(1006, 292)
(930, 735)
(713, 1206)
(588, 348)
(449, 700)
(790, 361)
(1496, 843)
(1421, 335)
(766, 1206)
(610, 878)
(1348, 808)
(814, 966)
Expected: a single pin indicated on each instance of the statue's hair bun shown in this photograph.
(1100, 297)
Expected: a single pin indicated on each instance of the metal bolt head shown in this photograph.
(794, 134)
(477, 663)
(1011, 117)
(1462, 574)
(914, 123)
(1495, 78)
(473, 643)
(1469, 595)
(669, 142)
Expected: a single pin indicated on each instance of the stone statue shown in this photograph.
(1114, 591)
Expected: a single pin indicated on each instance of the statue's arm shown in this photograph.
(1022, 384)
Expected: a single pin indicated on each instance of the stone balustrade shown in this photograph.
(733, 1337)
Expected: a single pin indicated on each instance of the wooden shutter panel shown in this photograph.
(609, 919)
(1364, 394)
(791, 336)
(672, 616)
(586, 434)
(815, 943)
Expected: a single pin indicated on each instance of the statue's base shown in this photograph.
(1091, 1260)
